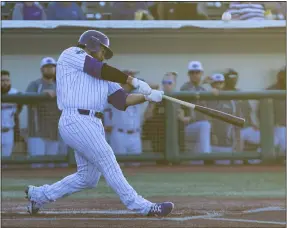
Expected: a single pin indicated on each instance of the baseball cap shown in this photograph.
(195, 66)
(48, 61)
(217, 78)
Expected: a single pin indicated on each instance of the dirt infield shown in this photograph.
(189, 212)
(109, 212)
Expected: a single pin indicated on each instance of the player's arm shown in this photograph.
(131, 88)
(121, 100)
(80, 60)
(112, 74)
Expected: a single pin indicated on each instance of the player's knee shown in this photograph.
(92, 183)
(87, 180)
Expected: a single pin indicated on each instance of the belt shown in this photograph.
(87, 113)
(128, 131)
(5, 129)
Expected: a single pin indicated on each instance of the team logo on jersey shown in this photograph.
(80, 52)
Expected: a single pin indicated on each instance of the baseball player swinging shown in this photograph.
(84, 86)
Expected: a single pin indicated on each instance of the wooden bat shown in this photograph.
(234, 120)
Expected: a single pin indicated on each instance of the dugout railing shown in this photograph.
(173, 154)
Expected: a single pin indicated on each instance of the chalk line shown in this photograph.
(263, 209)
(247, 220)
(66, 212)
(113, 219)
(208, 216)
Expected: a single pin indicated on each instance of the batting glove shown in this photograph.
(155, 96)
(141, 86)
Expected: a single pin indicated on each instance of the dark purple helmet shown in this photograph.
(93, 40)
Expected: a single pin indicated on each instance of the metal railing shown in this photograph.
(266, 119)
(172, 152)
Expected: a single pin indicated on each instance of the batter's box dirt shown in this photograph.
(258, 217)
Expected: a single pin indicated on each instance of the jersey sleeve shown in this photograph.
(79, 60)
(117, 96)
(113, 87)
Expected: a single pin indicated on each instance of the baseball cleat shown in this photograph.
(32, 208)
(161, 209)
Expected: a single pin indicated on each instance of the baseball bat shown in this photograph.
(228, 118)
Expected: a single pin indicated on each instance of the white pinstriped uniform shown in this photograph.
(123, 142)
(78, 90)
(8, 111)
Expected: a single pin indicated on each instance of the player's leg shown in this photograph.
(250, 135)
(87, 135)
(36, 147)
(134, 147)
(7, 142)
(91, 139)
(135, 144)
(87, 176)
(119, 142)
(280, 137)
(51, 148)
(201, 131)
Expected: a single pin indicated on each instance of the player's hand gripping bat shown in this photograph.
(234, 120)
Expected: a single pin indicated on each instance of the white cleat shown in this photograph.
(32, 207)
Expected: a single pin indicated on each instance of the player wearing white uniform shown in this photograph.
(84, 86)
(8, 112)
(126, 131)
(198, 127)
(107, 121)
(43, 118)
(252, 134)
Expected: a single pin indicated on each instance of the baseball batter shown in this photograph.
(84, 86)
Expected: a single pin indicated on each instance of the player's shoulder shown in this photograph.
(74, 51)
(71, 52)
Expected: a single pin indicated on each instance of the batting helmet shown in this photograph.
(93, 40)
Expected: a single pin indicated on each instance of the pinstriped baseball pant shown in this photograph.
(94, 157)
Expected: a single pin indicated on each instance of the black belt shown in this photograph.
(128, 131)
(87, 113)
(5, 129)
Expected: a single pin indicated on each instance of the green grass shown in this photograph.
(175, 184)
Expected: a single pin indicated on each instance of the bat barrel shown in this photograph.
(234, 120)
